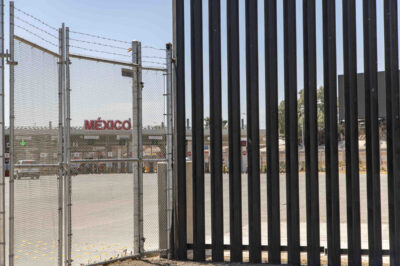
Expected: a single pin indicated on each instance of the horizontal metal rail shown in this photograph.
(16, 37)
(118, 160)
(322, 249)
(85, 57)
(37, 165)
(42, 165)
(102, 60)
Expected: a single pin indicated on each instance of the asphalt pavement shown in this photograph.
(102, 215)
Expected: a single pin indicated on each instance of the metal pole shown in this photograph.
(235, 162)
(271, 101)
(60, 149)
(64, 149)
(2, 147)
(169, 144)
(291, 135)
(393, 126)
(67, 150)
(197, 100)
(179, 212)
(135, 143)
(137, 149)
(140, 88)
(11, 215)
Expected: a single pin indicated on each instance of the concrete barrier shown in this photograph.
(162, 205)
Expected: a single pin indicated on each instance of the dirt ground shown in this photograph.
(156, 260)
(164, 262)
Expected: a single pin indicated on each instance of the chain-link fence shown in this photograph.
(102, 193)
(154, 147)
(85, 114)
(36, 143)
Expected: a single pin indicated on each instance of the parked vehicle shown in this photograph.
(27, 171)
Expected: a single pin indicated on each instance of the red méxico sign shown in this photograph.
(100, 124)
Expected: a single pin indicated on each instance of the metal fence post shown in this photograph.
(137, 149)
(169, 145)
(2, 146)
(60, 147)
(11, 214)
(65, 204)
(67, 152)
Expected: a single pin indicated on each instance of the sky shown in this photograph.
(98, 90)
(150, 21)
(299, 35)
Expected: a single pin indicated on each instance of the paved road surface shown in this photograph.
(102, 216)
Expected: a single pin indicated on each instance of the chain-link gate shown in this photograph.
(90, 149)
(35, 152)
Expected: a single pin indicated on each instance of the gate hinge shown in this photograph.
(7, 55)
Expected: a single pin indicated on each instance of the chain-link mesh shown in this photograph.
(101, 128)
(102, 193)
(154, 119)
(100, 94)
(154, 147)
(102, 216)
(35, 142)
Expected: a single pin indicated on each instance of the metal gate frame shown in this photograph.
(64, 174)
(61, 137)
(2, 144)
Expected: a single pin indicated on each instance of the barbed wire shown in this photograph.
(38, 36)
(35, 18)
(154, 57)
(81, 33)
(152, 62)
(98, 37)
(98, 51)
(100, 44)
(152, 47)
(33, 26)
(115, 40)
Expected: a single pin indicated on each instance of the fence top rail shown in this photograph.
(85, 57)
(115, 62)
(34, 45)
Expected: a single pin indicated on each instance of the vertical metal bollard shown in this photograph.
(137, 148)
(11, 214)
(2, 146)
(60, 147)
(169, 146)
